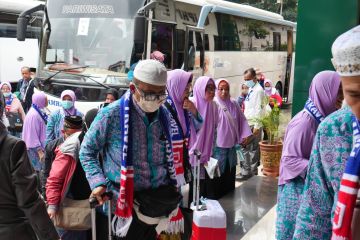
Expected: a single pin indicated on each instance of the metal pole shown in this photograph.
(149, 35)
(281, 7)
(109, 219)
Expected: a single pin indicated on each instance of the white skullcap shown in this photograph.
(346, 53)
(151, 71)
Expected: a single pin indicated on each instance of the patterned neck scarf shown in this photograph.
(180, 140)
(349, 187)
(314, 112)
(42, 114)
(123, 213)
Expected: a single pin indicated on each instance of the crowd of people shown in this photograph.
(141, 147)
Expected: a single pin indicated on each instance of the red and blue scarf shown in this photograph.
(349, 187)
(179, 140)
(124, 207)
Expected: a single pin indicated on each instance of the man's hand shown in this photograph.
(41, 155)
(52, 213)
(256, 132)
(190, 106)
(246, 141)
(98, 193)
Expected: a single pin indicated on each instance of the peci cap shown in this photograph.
(151, 71)
(346, 53)
(73, 122)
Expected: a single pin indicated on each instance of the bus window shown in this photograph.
(276, 41)
(180, 47)
(162, 35)
(228, 38)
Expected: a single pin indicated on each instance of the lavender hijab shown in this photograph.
(269, 92)
(177, 81)
(34, 128)
(300, 132)
(70, 93)
(209, 113)
(227, 136)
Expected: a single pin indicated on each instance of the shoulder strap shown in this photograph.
(228, 115)
(174, 115)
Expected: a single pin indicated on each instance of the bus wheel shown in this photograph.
(278, 87)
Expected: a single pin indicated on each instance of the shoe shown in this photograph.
(243, 177)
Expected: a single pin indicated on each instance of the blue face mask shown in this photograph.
(250, 83)
(66, 104)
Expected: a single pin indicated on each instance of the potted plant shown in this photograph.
(271, 148)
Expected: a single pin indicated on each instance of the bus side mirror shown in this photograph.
(139, 29)
(23, 20)
(22, 23)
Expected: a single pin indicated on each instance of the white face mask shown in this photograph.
(149, 106)
(268, 88)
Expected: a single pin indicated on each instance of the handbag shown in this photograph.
(212, 168)
(15, 121)
(158, 202)
(73, 215)
(239, 154)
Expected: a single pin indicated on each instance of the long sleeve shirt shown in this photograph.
(147, 149)
(55, 124)
(254, 105)
(332, 146)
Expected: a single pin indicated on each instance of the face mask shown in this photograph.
(149, 106)
(7, 94)
(250, 83)
(268, 88)
(66, 104)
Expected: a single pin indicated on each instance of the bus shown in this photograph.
(15, 54)
(88, 46)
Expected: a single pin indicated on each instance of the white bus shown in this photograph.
(89, 45)
(15, 54)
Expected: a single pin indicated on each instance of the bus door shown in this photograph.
(194, 59)
(162, 40)
(288, 64)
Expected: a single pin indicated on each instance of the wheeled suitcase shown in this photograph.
(209, 218)
(93, 203)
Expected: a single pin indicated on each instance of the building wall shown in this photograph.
(319, 23)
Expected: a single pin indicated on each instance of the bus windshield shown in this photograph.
(96, 34)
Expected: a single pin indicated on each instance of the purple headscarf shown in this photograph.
(177, 81)
(209, 113)
(301, 130)
(157, 55)
(323, 91)
(71, 111)
(227, 136)
(268, 92)
(7, 84)
(34, 128)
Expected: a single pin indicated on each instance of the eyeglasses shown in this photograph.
(151, 96)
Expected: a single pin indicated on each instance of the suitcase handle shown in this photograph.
(94, 202)
(196, 183)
